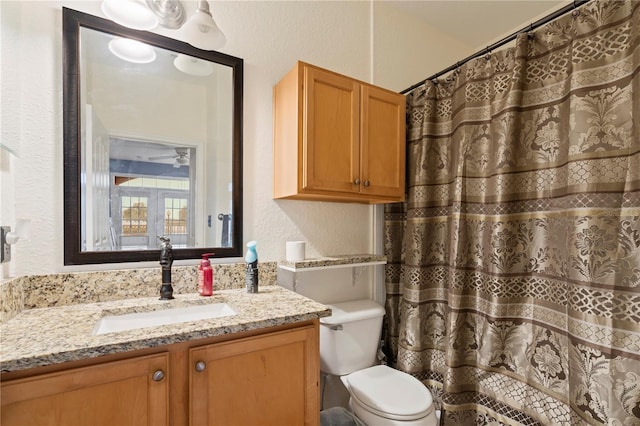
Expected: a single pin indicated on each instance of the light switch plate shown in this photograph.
(5, 249)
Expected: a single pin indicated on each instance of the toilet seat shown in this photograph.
(390, 393)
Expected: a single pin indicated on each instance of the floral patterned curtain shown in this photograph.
(513, 283)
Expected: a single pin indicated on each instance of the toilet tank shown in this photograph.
(349, 337)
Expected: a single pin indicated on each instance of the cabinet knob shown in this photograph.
(200, 366)
(158, 375)
(367, 183)
(356, 182)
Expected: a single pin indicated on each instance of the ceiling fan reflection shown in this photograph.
(181, 157)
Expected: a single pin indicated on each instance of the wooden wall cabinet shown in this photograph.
(337, 139)
(262, 377)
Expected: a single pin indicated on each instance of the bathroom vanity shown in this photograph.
(257, 366)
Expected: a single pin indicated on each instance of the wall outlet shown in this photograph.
(5, 249)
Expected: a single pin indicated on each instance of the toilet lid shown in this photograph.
(390, 393)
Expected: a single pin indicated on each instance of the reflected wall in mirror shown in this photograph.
(152, 145)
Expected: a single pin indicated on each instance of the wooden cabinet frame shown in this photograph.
(171, 399)
(337, 138)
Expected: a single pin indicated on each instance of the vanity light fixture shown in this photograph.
(130, 13)
(132, 50)
(192, 66)
(200, 30)
(170, 13)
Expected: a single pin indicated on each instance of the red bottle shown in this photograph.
(205, 276)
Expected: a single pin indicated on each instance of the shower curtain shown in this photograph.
(513, 276)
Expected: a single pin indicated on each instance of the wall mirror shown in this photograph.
(152, 145)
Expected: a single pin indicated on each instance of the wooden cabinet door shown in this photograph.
(337, 139)
(331, 131)
(271, 379)
(115, 393)
(382, 143)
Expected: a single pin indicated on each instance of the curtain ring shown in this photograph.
(575, 13)
(456, 71)
(530, 34)
(487, 55)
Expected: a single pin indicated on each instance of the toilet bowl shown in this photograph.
(379, 395)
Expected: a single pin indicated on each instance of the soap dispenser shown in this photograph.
(251, 271)
(205, 276)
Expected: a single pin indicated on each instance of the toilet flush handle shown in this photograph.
(336, 327)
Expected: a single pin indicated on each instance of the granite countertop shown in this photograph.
(333, 262)
(46, 336)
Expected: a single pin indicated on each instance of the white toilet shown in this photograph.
(379, 395)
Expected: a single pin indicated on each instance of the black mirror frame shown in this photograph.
(72, 20)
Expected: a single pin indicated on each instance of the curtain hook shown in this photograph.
(487, 55)
(575, 13)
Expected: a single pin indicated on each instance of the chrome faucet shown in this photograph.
(166, 259)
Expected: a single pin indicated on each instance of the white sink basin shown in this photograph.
(133, 321)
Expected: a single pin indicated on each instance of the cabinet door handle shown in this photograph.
(200, 366)
(367, 183)
(356, 182)
(158, 375)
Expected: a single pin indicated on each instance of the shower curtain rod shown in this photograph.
(507, 39)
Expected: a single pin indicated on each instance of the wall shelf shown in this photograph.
(332, 262)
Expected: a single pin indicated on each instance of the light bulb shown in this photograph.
(201, 30)
(132, 50)
(130, 13)
(193, 66)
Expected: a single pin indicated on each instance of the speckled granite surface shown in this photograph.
(40, 291)
(333, 261)
(11, 298)
(49, 319)
(45, 336)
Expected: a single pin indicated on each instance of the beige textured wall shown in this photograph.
(270, 36)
